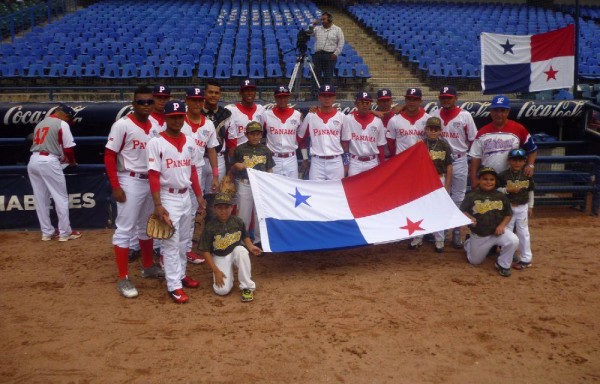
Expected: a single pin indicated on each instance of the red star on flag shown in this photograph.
(551, 73)
(412, 226)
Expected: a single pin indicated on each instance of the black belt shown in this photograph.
(327, 157)
(284, 155)
(175, 190)
(324, 52)
(364, 158)
(139, 175)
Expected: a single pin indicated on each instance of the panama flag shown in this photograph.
(401, 198)
(527, 63)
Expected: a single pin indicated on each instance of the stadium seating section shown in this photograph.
(443, 41)
(121, 40)
(16, 16)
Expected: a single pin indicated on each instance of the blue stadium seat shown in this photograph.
(184, 70)
(239, 70)
(92, 70)
(36, 70)
(362, 70)
(223, 71)
(205, 70)
(111, 71)
(73, 70)
(130, 71)
(146, 72)
(257, 71)
(166, 70)
(56, 70)
(345, 70)
(274, 70)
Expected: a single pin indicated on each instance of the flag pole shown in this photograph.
(576, 77)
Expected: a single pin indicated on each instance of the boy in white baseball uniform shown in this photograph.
(441, 155)
(408, 127)
(171, 169)
(281, 125)
(126, 162)
(241, 114)
(202, 131)
(324, 127)
(222, 245)
(52, 145)
(364, 135)
(519, 190)
(490, 212)
(459, 130)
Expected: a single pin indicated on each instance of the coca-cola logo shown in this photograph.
(17, 116)
(567, 108)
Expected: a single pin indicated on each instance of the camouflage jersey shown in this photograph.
(257, 157)
(440, 153)
(219, 119)
(221, 238)
(510, 179)
(489, 208)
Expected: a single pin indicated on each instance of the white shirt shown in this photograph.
(407, 131)
(129, 138)
(282, 130)
(174, 165)
(459, 131)
(364, 136)
(157, 126)
(329, 40)
(325, 132)
(203, 135)
(240, 117)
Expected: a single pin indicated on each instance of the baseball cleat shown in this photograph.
(247, 295)
(74, 235)
(194, 258)
(154, 271)
(520, 265)
(439, 246)
(179, 296)
(415, 243)
(505, 272)
(188, 282)
(50, 237)
(126, 288)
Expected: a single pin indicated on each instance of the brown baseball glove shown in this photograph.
(227, 186)
(158, 229)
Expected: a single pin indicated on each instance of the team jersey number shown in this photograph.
(40, 135)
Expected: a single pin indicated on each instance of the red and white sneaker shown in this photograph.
(188, 282)
(74, 235)
(194, 258)
(179, 296)
(51, 237)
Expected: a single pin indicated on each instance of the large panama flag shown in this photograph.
(401, 198)
(527, 63)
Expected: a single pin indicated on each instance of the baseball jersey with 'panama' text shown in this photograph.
(240, 117)
(440, 153)
(257, 157)
(282, 129)
(173, 158)
(407, 130)
(221, 238)
(129, 137)
(364, 133)
(458, 128)
(492, 145)
(203, 134)
(489, 208)
(510, 179)
(52, 135)
(325, 131)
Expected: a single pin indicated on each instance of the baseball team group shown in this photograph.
(168, 156)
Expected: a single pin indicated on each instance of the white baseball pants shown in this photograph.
(326, 169)
(206, 178)
(357, 166)
(519, 223)
(241, 259)
(477, 247)
(132, 215)
(174, 249)
(286, 166)
(47, 179)
(458, 185)
(245, 206)
(194, 209)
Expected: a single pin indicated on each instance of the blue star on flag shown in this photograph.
(507, 47)
(300, 198)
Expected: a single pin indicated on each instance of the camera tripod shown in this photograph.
(301, 61)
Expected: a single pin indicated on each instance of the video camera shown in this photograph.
(302, 40)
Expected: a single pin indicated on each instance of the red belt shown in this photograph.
(44, 153)
(364, 158)
(139, 175)
(174, 190)
(327, 157)
(284, 155)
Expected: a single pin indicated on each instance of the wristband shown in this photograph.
(215, 173)
(531, 166)
(346, 158)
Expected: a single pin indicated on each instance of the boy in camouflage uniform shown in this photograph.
(251, 154)
(441, 155)
(519, 190)
(489, 211)
(222, 245)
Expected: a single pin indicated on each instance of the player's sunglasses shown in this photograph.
(517, 153)
(144, 102)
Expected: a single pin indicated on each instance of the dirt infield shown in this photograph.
(378, 314)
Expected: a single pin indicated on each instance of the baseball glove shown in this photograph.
(158, 229)
(227, 186)
(199, 225)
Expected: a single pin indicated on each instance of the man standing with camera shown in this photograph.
(329, 41)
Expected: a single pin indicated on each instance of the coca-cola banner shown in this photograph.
(95, 119)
